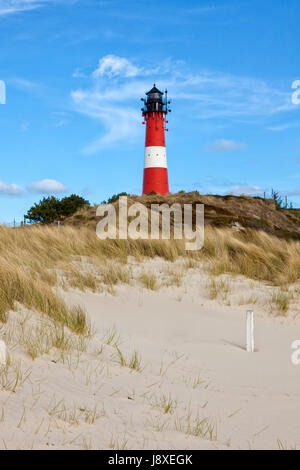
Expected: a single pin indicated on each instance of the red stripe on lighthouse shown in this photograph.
(155, 179)
(155, 130)
(155, 165)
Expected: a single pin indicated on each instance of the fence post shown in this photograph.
(250, 330)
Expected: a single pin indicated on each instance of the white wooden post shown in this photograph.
(250, 330)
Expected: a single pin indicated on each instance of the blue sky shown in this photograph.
(75, 72)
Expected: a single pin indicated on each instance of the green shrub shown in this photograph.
(51, 208)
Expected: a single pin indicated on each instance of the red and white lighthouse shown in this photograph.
(155, 166)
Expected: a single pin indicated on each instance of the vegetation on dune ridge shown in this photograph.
(29, 279)
(50, 208)
(37, 258)
(220, 211)
(27, 275)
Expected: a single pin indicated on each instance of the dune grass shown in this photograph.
(218, 289)
(133, 362)
(27, 276)
(254, 254)
(31, 256)
(280, 302)
(149, 281)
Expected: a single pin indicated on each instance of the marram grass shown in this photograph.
(30, 258)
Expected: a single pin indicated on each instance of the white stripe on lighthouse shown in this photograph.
(155, 157)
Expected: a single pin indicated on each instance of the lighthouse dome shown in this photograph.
(154, 90)
(154, 100)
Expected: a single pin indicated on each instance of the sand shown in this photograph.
(197, 387)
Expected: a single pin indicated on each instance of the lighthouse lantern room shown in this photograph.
(156, 107)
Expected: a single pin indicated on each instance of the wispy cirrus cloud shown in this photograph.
(9, 7)
(284, 127)
(120, 123)
(118, 82)
(224, 145)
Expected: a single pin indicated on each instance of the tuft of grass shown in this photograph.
(3, 315)
(39, 335)
(166, 403)
(251, 300)
(118, 443)
(81, 280)
(12, 376)
(218, 289)
(16, 285)
(202, 427)
(149, 280)
(175, 277)
(135, 361)
(113, 273)
(280, 302)
(120, 357)
(111, 337)
(158, 424)
(90, 415)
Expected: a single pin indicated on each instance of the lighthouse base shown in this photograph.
(156, 179)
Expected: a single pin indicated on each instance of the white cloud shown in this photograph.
(224, 145)
(47, 186)
(283, 127)
(112, 65)
(120, 122)
(10, 189)
(117, 85)
(8, 7)
(246, 189)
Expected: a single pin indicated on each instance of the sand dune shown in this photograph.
(164, 369)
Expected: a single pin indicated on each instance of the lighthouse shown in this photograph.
(156, 107)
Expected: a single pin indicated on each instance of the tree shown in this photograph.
(277, 199)
(114, 198)
(50, 208)
(69, 205)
